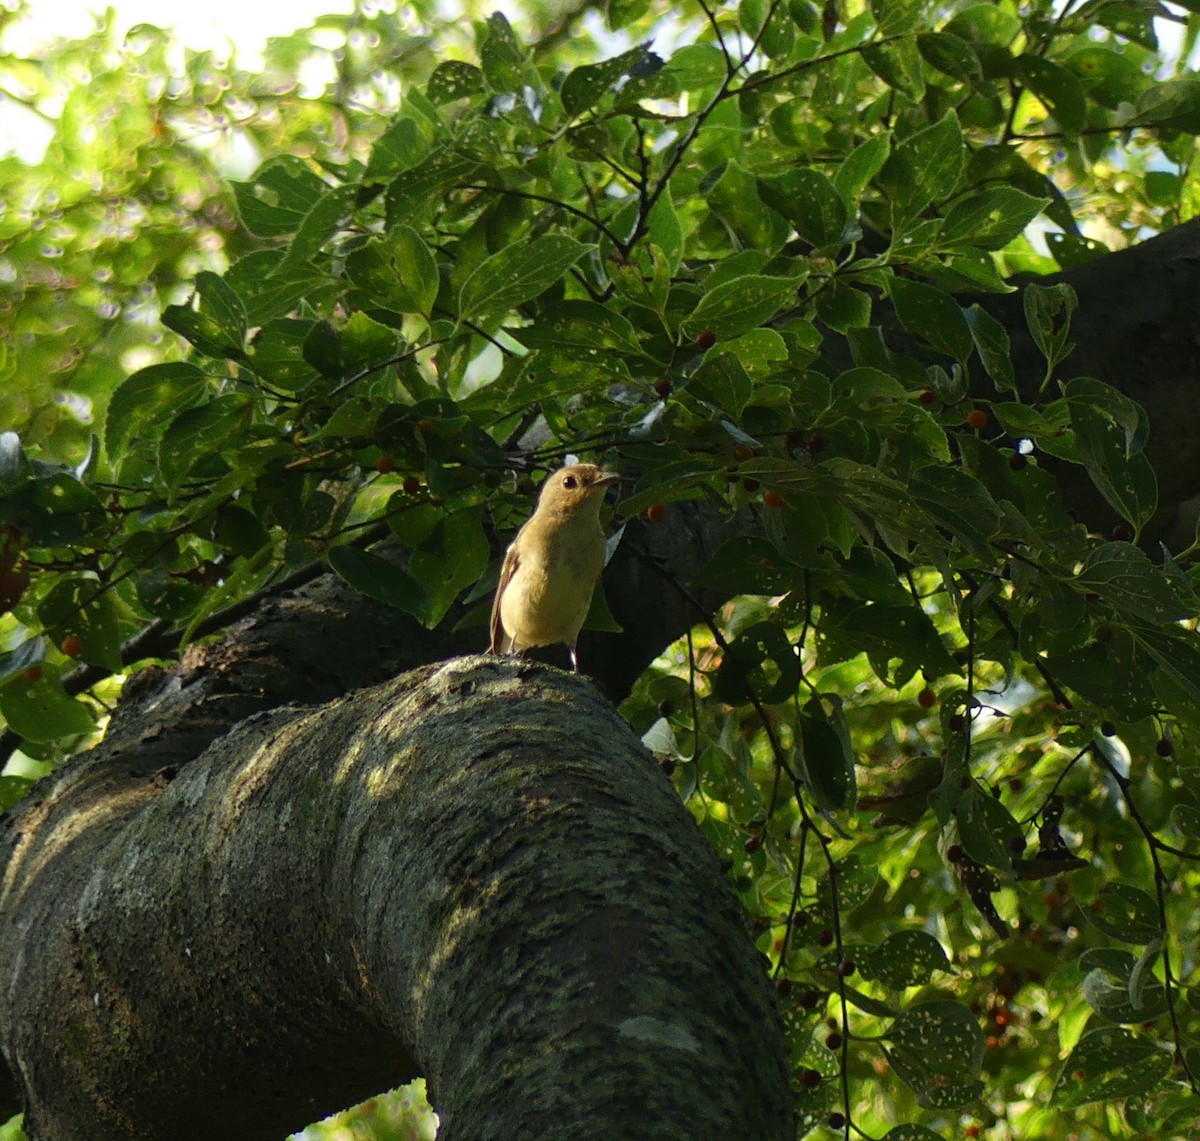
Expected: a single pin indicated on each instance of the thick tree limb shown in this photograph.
(474, 872)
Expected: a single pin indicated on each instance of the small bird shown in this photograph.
(552, 566)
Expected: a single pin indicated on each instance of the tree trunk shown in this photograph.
(474, 872)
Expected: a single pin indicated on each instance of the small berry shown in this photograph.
(809, 998)
(824, 937)
(385, 464)
(927, 699)
(667, 764)
(752, 844)
(1018, 461)
(846, 968)
(977, 419)
(663, 387)
(1163, 747)
(811, 1078)
(72, 645)
(1016, 845)
(742, 452)
(834, 1041)
(33, 674)
(954, 853)
(411, 485)
(750, 484)
(1108, 729)
(1122, 533)
(426, 427)
(927, 396)
(836, 1121)
(817, 444)
(706, 339)
(783, 987)
(772, 498)
(666, 708)
(656, 513)
(957, 723)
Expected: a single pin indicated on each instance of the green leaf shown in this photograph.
(951, 55)
(282, 192)
(842, 307)
(737, 306)
(418, 190)
(925, 167)
(860, 166)
(143, 401)
(810, 201)
(747, 565)
(317, 227)
(586, 85)
(937, 1049)
(1107, 1064)
(911, 1133)
(826, 757)
(898, 64)
(993, 346)
(42, 711)
(904, 959)
(29, 652)
(217, 323)
(895, 17)
(986, 829)
(378, 578)
(722, 382)
(760, 660)
(1126, 912)
(885, 632)
(501, 55)
(517, 274)
(932, 315)
(1108, 994)
(452, 558)
(992, 218)
(400, 147)
(398, 269)
(453, 79)
(1058, 89)
(1125, 578)
(199, 432)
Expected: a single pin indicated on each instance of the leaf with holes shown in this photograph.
(904, 959)
(1109, 1063)
(937, 1049)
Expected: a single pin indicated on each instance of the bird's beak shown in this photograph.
(607, 479)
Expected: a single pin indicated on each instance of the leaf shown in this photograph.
(143, 401)
(810, 201)
(895, 17)
(937, 1049)
(1048, 312)
(1058, 89)
(216, 324)
(377, 578)
(451, 80)
(932, 315)
(452, 558)
(274, 203)
(1126, 481)
(722, 382)
(317, 227)
(739, 305)
(761, 661)
(42, 711)
(1107, 1064)
(198, 432)
(904, 959)
(951, 55)
(885, 632)
(1126, 912)
(860, 166)
(911, 1133)
(415, 191)
(826, 758)
(987, 831)
(1124, 577)
(993, 346)
(992, 218)
(586, 85)
(517, 274)
(925, 167)
(898, 64)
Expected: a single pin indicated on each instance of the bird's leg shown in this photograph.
(574, 659)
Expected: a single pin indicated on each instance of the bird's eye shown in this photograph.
(569, 482)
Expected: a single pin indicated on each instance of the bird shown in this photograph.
(552, 566)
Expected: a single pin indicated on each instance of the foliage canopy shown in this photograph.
(944, 734)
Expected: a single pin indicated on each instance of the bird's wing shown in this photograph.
(511, 561)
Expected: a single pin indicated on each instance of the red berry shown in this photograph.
(927, 396)
(836, 1121)
(811, 1078)
(706, 340)
(1122, 533)
(1108, 728)
(834, 1041)
(809, 998)
(772, 498)
(385, 464)
(411, 485)
(663, 387)
(1163, 747)
(72, 645)
(846, 968)
(752, 844)
(656, 512)
(1018, 461)
(426, 427)
(825, 937)
(783, 987)
(33, 674)
(927, 699)
(978, 419)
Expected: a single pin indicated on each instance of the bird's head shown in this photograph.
(571, 488)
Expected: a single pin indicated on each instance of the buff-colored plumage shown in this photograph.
(553, 565)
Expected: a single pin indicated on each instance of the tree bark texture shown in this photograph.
(474, 872)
